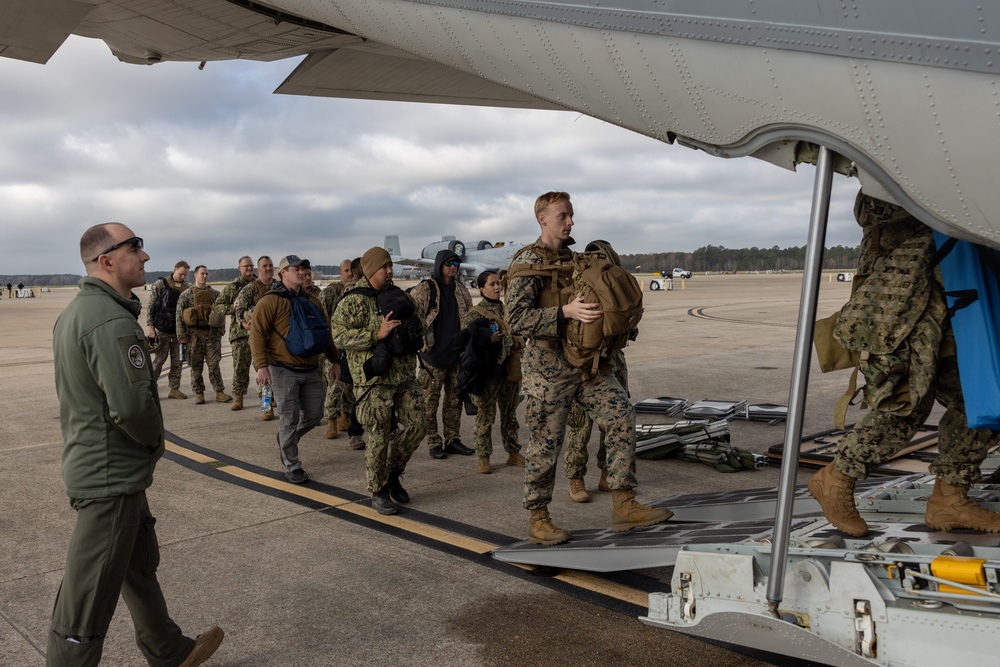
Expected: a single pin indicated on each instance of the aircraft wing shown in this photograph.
(33, 30)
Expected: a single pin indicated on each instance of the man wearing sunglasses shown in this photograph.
(444, 302)
(164, 330)
(112, 428)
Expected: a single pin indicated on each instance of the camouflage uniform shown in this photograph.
(337, 400)
(552, 385)
(498, 393)
(239, 338)
(433, 379)
(246, 301)
(204, 343)
(897, 318)
(389, 406)
(581, 425)
(167, 343)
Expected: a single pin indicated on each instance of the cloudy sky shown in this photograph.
(210, 165)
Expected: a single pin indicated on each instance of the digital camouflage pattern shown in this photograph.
(432, 380)
(239, 338)
(497, 394)
(580, 426)
(204, 345)
(246, 301)
(897, 318)
(339, 395)
(552, 384)
(390, 406)
(168, 345)
(331, 295)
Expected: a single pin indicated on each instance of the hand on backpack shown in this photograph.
(387, 326)
(585, 312)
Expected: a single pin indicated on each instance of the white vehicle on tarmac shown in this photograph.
(681, 273)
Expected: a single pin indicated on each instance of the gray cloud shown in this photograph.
(209, 165)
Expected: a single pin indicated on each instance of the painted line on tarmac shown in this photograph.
(623, 592)
(700, 314)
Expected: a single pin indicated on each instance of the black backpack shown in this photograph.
(163, 311)
(408, 337)
(308, 333)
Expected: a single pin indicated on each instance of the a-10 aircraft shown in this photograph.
(485, 256)
(901, 94)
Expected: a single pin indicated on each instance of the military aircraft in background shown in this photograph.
(485, 256)
(901, 94)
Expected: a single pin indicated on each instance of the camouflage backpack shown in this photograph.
(599, 279)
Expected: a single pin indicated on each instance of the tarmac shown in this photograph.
(311, 575)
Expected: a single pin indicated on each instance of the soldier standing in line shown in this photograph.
(201, 330)
(389, 401)
(444, 302)
(239, 337)
(897, 318)
(337, 418)
(552, 384)
(165, 334)
(581, 426)
(497, 393)
(247, 300)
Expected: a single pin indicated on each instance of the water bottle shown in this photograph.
(266, 398)
(494, 327)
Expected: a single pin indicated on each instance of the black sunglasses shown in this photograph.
(135, 242)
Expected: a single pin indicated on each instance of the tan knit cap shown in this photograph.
(373, 260)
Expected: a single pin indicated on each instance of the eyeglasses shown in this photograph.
(452, 262)
(135, 242)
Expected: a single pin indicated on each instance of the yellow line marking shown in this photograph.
(578, 579)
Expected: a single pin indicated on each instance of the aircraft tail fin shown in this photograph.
(391, 244)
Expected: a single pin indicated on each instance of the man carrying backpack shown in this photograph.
(288, 335)
(161, 322)
(539, 309)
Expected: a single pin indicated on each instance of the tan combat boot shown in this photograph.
(603, 484)
(268, 415)
(237, 402)
(627, 514)
(176, 393)
(578, 490)
(222, 397)
(950, 507)
(331, 429)
(199, 398)
(515, 459)
(483, 466)
(343, 421)
(834, 491)
(543, 531)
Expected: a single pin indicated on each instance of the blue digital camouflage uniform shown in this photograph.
(239, 338)
(898, 316)
(390, 406)
(552, 384)
(498, 393)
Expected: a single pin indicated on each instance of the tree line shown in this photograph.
(718, 259)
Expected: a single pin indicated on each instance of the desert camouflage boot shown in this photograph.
(950, 507)
(834, 491)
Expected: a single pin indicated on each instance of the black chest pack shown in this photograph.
(163, 311)
(408, 337)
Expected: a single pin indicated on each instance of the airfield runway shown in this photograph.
(310, 575)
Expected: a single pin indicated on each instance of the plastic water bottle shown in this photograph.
(266, 398)
(494, 327)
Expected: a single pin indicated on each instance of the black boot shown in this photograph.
(457, 447)
(381, 502)
(396, 490)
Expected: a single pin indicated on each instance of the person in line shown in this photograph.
(244, 306)
(552, 384)
(388, 398)
(167, 344)
(239, 336)
(900, 298)
(581, 426)
(444, 302)
(201, 330)
(113, 436)
(337, 416)
(498, 391)
(297, 388)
